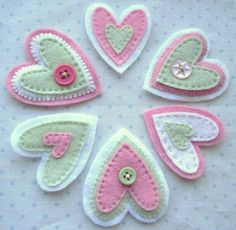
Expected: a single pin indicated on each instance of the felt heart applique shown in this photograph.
(118, 42)
(63, 141)
(118, 37)
(179, 147)
(123, 178)
(59, 72)
(59, 141)
(179, 133)
(181, 71)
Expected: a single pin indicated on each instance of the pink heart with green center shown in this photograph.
(181, 71)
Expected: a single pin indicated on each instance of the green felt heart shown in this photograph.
(118, 38)
(201, 78)
(179, 133)
(39, 79)
(53, 51)
(56, 170)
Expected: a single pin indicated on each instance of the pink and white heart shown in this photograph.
(179, 147)
(118, 43)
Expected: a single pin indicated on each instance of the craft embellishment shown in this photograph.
(124, 177)
(178, 131)
(119, 41)
(63, 141)
(59, 73)
(181, 71)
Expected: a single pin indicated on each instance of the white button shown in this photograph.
(181, 69)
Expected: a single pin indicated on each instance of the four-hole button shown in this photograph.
(64, 74)
(127, 176)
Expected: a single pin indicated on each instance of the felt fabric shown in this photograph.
(118, 37)
(34, 83)
(59, 141)
(209, 77)
(70, 136)
(179, 134)
(204, 204)
(106, 201)
(199, 128)
(110, 191)
(121, 40)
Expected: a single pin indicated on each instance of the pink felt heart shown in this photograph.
(37, 99)
(59, 141)
(161, 81)
(110, 190)
(136, 19)
(189, 113)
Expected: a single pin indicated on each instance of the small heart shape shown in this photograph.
(179, 133)
(59, 141)
(118, 37)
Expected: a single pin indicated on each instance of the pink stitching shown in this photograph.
(165, 55)
(148, 117)
(137, 19)
(110, 191)
(59, 141)
(32, 62)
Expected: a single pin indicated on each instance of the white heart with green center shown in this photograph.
(63, 141)
(118, 38)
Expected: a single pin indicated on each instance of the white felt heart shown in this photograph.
(106, 195)
(63, 141)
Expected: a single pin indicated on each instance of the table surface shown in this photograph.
(208, 203)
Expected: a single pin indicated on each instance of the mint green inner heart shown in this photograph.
(179, 133)
(118, 38)
(39, 79)
(201, 78)
(56, 170)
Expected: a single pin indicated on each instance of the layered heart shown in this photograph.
(181, 71)
(59, 72)
(123, 178)
(119, 42)
(63, 141)
(178, 131)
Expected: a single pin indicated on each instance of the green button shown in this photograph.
(127, 176)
